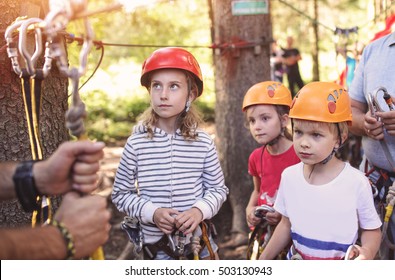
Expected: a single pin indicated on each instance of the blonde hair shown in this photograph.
(187, 122)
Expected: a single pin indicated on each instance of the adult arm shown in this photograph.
(32, 243)
(73, 165)
(86, 218)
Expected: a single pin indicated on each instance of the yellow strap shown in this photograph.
(388, 212)
(207, 241)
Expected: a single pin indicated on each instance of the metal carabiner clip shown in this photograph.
(30, 60)
(12, 50)
(177, 245)
(374, 103)
(261, 211)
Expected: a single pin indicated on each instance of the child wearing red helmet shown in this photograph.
(169, 177)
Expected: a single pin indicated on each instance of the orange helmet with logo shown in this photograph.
(172, 57)
(269, 92)
(322, 102)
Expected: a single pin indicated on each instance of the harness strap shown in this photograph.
(150, 250)
(31, 94)
(205, 237)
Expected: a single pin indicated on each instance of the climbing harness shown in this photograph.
(175, 245)
(261, 234)
(133, 229)
(390, 201)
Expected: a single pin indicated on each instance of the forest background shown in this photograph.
(113, 94)
(124, 38)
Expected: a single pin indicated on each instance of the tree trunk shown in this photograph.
(237, 68)
(315, 51)
(14, 137)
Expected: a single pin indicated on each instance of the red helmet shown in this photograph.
(172, 57)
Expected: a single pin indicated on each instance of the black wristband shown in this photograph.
(25, 186)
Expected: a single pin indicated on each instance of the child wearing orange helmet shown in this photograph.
(324, 201)
(266, 107)
(169, 177)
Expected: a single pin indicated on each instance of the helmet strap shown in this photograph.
(277, 138)
(328, 158)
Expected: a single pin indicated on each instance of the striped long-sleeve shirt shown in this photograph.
(167, 171)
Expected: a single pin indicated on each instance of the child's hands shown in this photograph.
(273, 218)
(164, 219)
(187, 221)
(364, 253)
(252, 220)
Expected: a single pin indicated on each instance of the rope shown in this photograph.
(390, 200)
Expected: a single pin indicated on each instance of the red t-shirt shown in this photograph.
(268, 168)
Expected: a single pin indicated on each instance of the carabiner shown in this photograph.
(261, 211)
(12, 49)
(373, 101)
(30, 60)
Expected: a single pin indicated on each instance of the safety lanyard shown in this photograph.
(31, 81)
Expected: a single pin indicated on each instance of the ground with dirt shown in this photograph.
(118, 239)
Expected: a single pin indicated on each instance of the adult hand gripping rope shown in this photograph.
(60, 14)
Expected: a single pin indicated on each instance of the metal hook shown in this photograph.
(12, 49)
(374, 106)
(373, 102)
(30, 60)
(86, 47)
(61, 12)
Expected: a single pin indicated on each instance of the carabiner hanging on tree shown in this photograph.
(12, 46)
(32, 79)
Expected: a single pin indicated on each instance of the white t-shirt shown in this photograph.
(325, 218)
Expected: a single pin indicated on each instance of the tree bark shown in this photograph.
(315, 50)
(14, 138)
(237, 68)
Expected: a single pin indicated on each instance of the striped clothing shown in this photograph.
(325, 219)
(170, 172)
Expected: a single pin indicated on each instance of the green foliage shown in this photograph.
(131, 36)
(111, 119)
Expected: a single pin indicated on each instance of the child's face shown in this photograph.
(169, 93)
(264, 122)
(314, 141)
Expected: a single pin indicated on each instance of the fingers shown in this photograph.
(188, 220)
(86, 149)
(85, 177)
(164, 219)
(373, 128)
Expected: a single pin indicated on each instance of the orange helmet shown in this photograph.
(172, 57)
(269, 92)
(322, 102)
